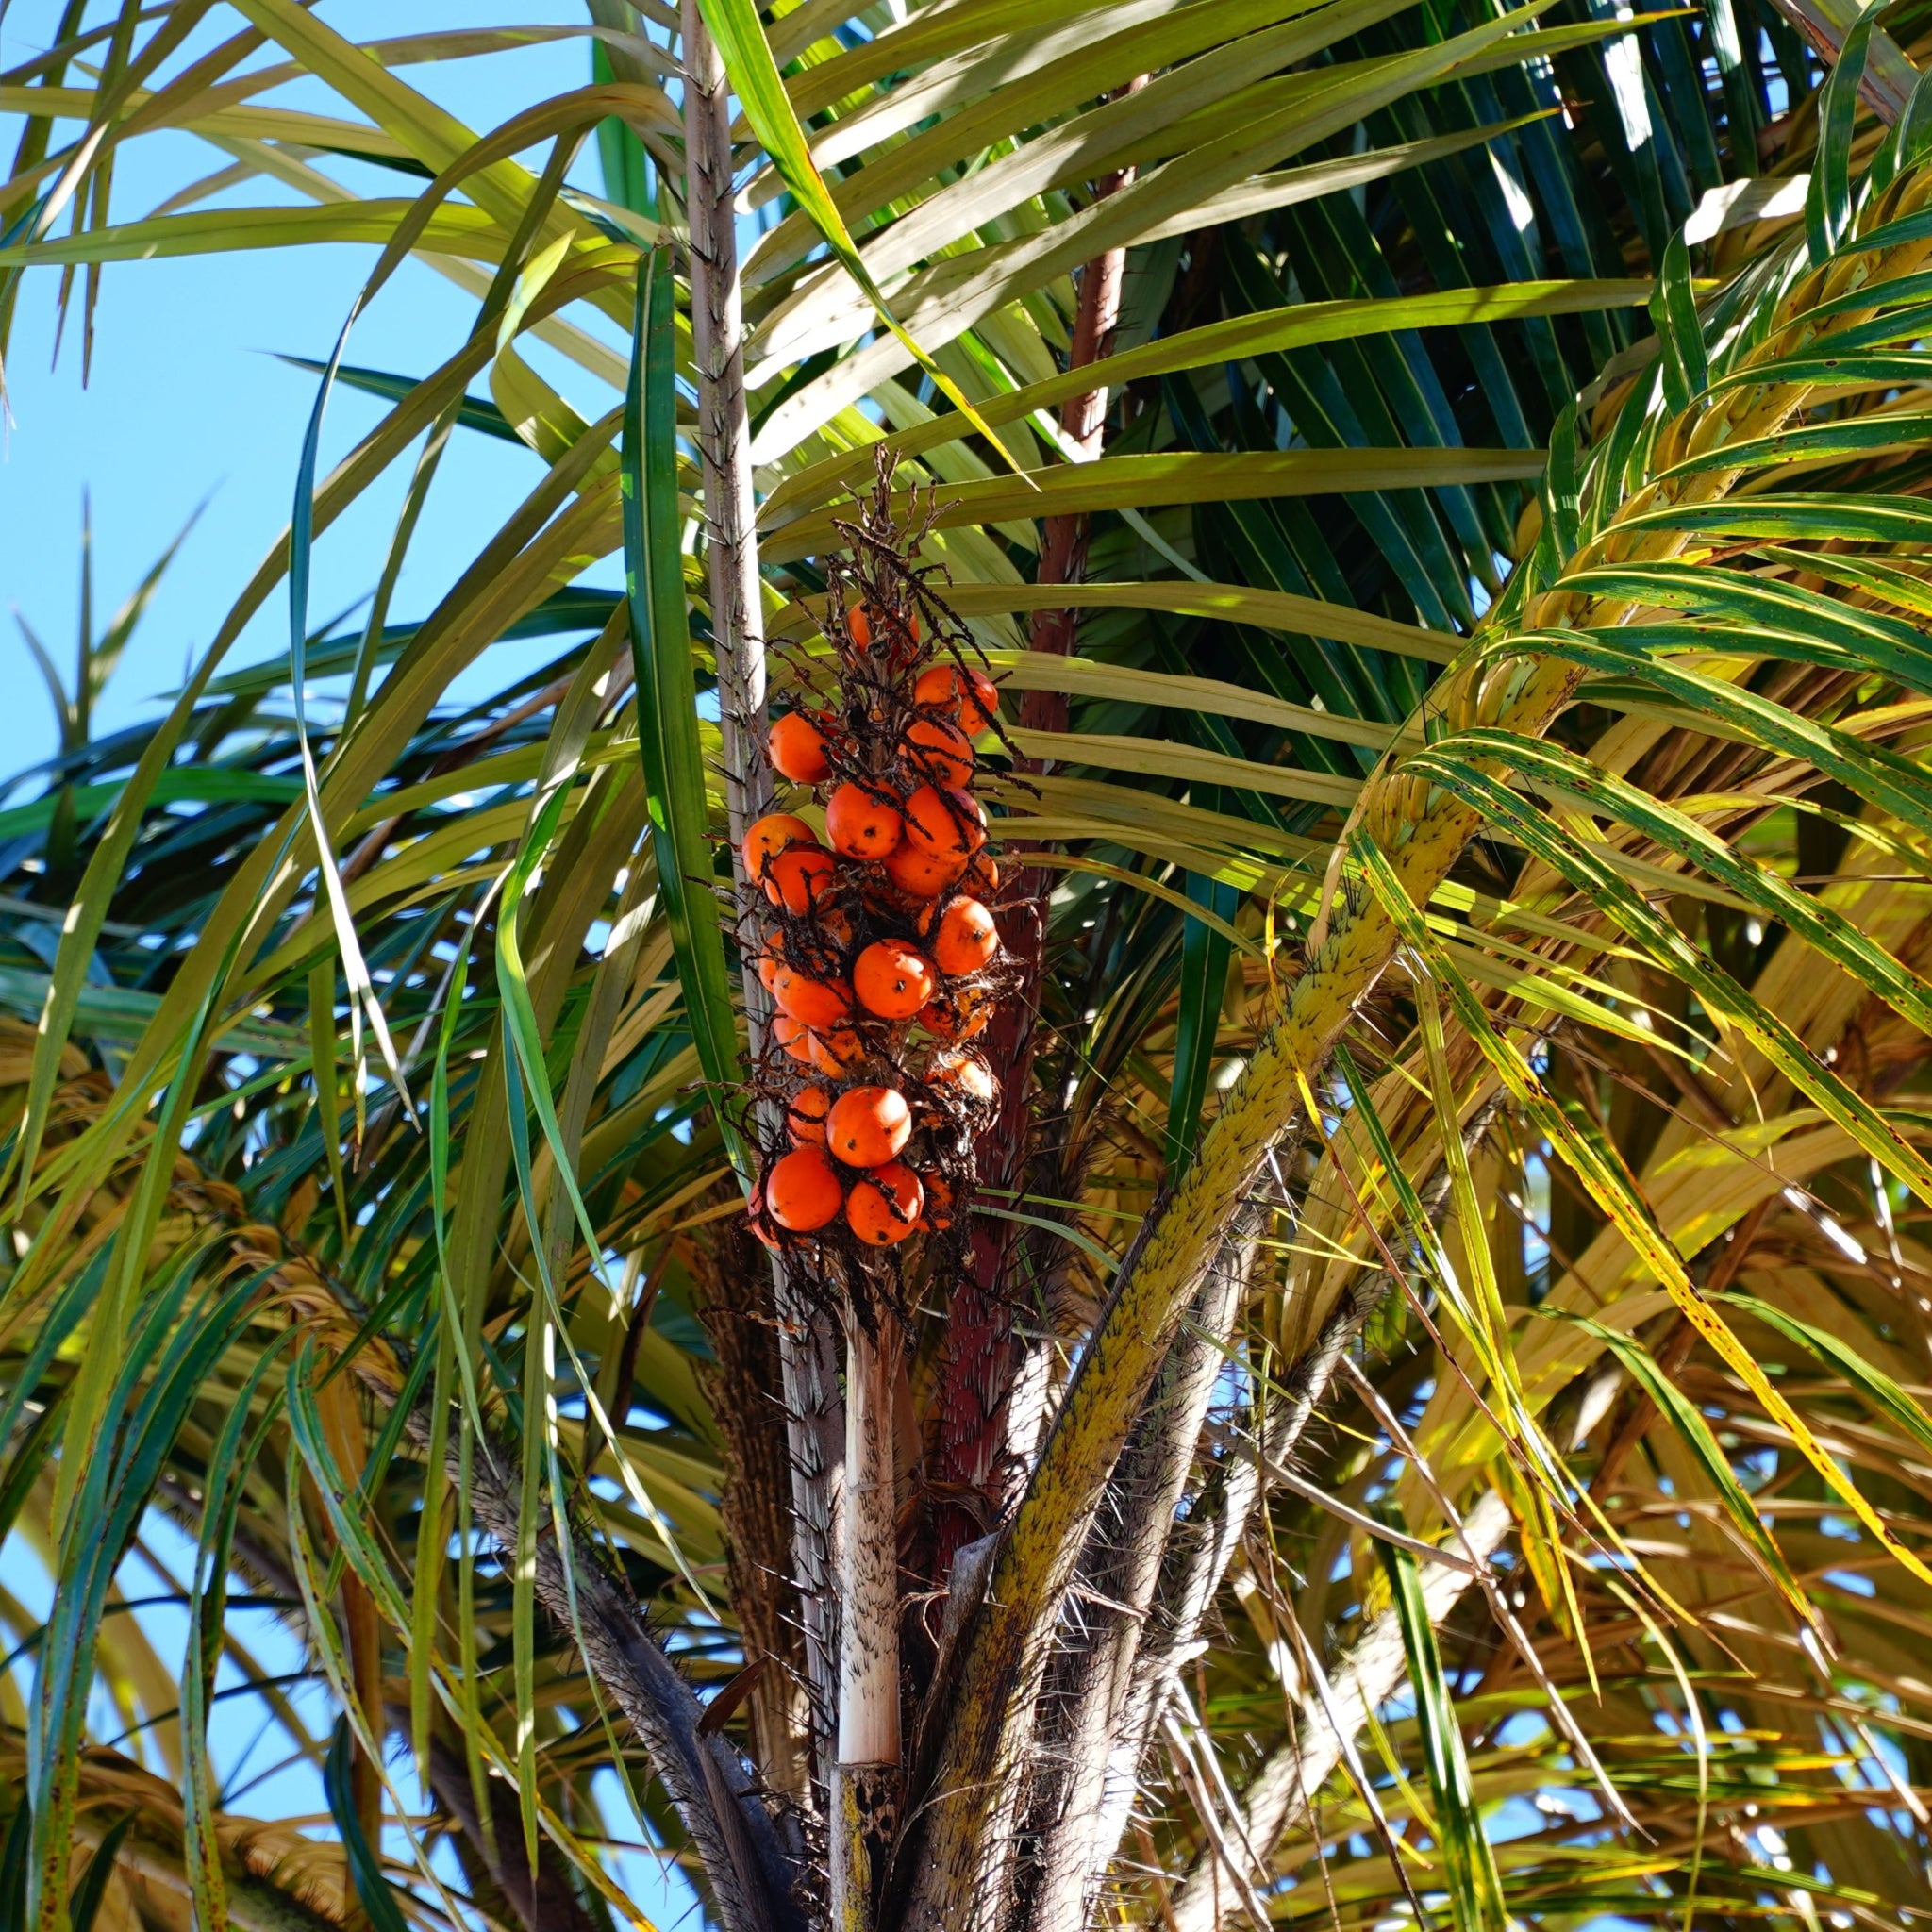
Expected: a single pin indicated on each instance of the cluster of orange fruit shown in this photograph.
(877, 953)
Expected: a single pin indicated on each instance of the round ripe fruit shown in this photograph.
(794, 1036)
(888, 902)
(769, 966)
(978, 709)
(892, 979)
(796, 747)
(974, 704)
(960, 1016)
(937, 690)
(867, 1126)
(858, 620)
(967, 939)
(776, 832)
(938, 751)
(817, 1001)
(952, 823)
(938, 1209)
(796, 878)
(833, 1053)
(965, 1071)
(804, 1114)
(922, 875)
(884, 1207)
(983, 875)
(802, 1190)
(860, 825)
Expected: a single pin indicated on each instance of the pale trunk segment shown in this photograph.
(807, 1352)
(866, 1779)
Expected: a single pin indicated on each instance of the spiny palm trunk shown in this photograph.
(807, 1353)
(717, 329)
(1123, 1576)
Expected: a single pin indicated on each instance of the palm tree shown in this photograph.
(1419, 1412)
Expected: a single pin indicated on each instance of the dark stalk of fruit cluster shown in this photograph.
(879, 945)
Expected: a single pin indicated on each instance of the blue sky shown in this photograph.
(187, 403)
(187, 406)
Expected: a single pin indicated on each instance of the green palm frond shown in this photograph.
(1482, 942)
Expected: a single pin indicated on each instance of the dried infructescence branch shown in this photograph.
(881, 947)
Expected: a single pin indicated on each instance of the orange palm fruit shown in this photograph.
(949, 822)
(937, 1211)
(892, 979)
(770, 965)
(802, 1190)
(776, 832)
(983, 875)
(867, 1126)
(965, 1071)
(804, 1114)
(798, 877)
(858, 620)
(796, 747)
(936, 751)
(860, 825)
(833, 1053)
(975, 704)
(794, 1036)
(961, 1015)
(922, 875)
(967, 940)
(889, 904)
(818, 1003)
(884, 1207)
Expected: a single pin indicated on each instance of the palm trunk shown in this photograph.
(1076, 1846)
(717, 329)
(867, 1776)
(807, 1351)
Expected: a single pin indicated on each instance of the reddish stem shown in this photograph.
(969, 1466)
